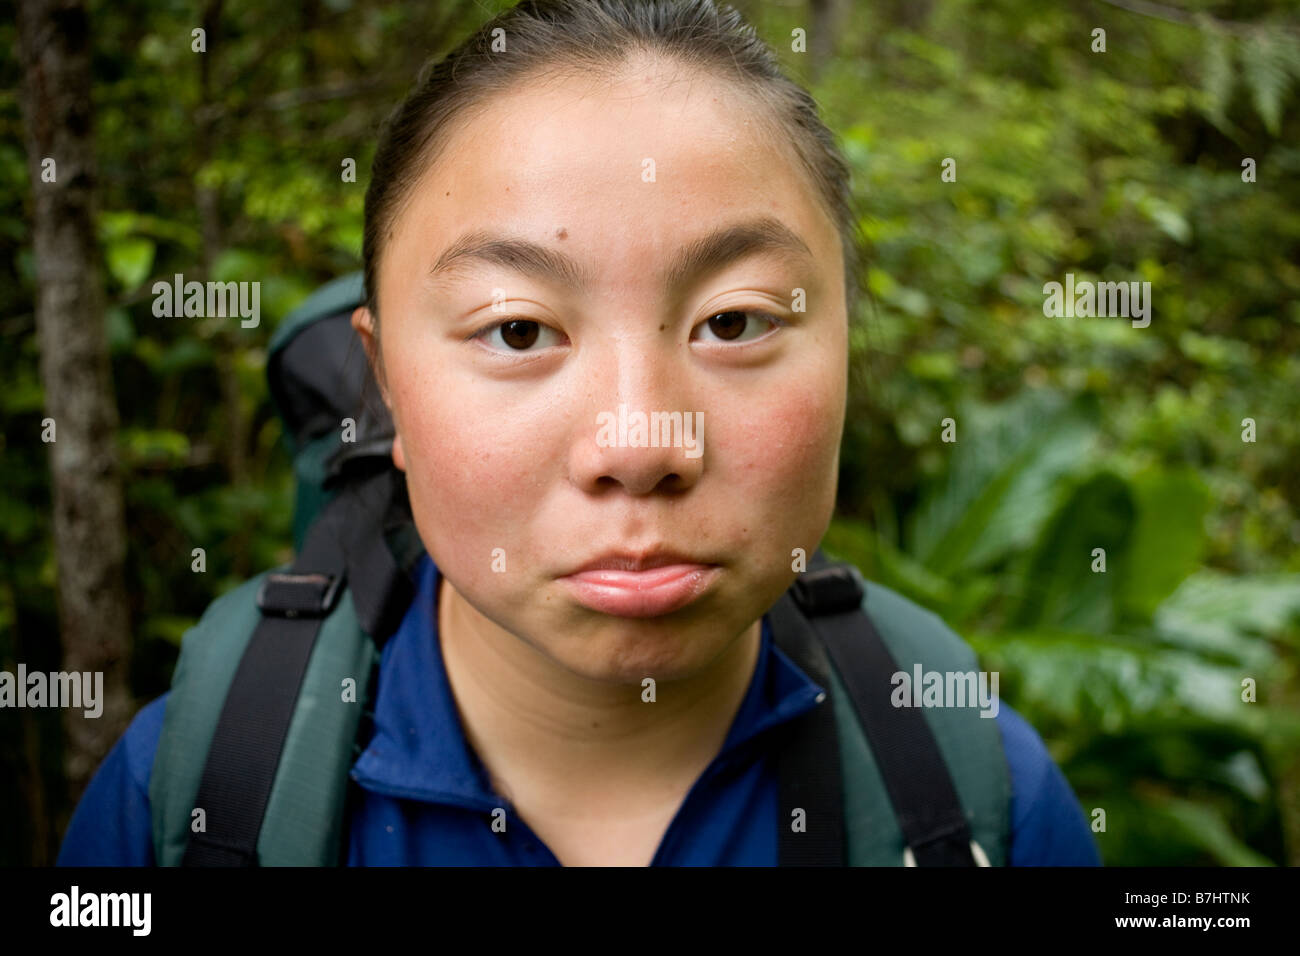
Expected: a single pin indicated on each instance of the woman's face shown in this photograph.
(581, 252)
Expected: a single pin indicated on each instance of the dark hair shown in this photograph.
(556, 36)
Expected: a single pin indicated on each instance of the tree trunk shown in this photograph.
(821, 44)
(207, 200)
(89, 521)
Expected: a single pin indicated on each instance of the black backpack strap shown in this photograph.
(345, 547)
(916, 778)
(808, 762)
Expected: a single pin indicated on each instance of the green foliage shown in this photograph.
(1137, 674)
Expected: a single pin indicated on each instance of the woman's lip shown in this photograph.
(646, 562)
(648, 593)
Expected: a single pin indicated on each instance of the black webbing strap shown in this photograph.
(381, 589)
(808, 763)
(344, 546)
(922, 793)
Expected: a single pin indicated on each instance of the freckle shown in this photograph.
(561, 233)
(662, 327)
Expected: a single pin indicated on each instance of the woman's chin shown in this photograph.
(623, 654)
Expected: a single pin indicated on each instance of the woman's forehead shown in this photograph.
(632, 167)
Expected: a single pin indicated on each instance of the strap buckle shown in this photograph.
(831, 590)
(976, 851)
(286, 594)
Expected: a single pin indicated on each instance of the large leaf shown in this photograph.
(1168, 539)
(1217, 77)
(1267, 75)
(1117, 685)
(1205, 826)
(1153, 828)
(1231, 617)
(1061, 589)
(1002, 482)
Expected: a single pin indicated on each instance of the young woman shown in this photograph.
(595, 210)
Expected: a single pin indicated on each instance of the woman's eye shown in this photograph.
(737, 326)
(519, 335)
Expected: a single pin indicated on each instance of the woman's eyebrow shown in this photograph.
(728, 244)
(512, 252)
(709, 253)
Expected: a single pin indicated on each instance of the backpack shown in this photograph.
(258, 735)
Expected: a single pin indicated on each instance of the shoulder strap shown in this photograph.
(345, 547)
(827, 601)
(808, 762)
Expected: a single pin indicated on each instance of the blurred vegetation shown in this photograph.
(1072, 433)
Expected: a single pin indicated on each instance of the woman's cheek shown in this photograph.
(785, 438)
(471, 469)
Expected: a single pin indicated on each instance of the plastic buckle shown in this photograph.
(299, 595)
(827, 591)
(977, 851)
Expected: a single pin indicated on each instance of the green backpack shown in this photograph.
(257, 741)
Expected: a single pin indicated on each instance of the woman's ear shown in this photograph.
(363, 322)
(364, 325)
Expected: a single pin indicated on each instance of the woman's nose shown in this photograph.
(640, 430)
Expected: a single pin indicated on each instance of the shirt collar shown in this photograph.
(419, 750)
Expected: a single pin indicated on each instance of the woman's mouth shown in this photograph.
(649, 592)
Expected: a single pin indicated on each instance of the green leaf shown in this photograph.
(119, 224)
(1150, 827)
(1168, 538)
(1243, 772)
(1061, 589)
(1002, 482)
(1231, 617)
(23, 394)
(1167, 217)
(168, 627)
(1170, 221)
(154, 446)
(1266, 64)
(1205, 826)
(1117, 685)
(240, 265)
(1217, 77)
(129, 260)
(121, 332)
(933, 366)
(185, 354)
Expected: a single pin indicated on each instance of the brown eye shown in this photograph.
(519, 334)
(728, 325)
(736, 325)
(516, 336)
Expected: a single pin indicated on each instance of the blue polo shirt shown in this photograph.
(425, 797)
